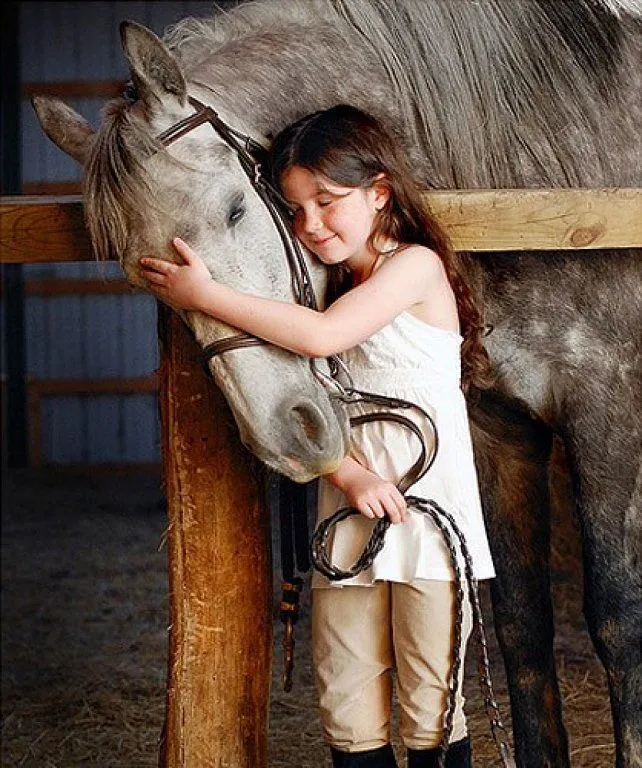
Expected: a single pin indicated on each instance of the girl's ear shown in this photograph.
(381, 189)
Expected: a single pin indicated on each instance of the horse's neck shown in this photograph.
(250, 90)
(272, 71)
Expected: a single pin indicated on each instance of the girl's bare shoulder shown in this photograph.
(418, 260)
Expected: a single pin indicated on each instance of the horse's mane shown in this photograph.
(498, 93)
(495, 92)
(115, 184)
(499, 83)
(193, 39)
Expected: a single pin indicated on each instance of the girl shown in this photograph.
(408, 327)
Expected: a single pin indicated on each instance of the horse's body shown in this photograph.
(499, 93)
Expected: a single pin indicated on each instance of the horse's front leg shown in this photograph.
(603, 445)
(513, 452)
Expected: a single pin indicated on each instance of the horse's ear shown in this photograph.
(66, 128)
(154, 70)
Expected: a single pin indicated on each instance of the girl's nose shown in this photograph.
(312, 222)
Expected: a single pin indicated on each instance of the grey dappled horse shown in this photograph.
(493, 93)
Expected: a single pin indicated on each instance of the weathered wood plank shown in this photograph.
(540, 219)
(41, 229)
(220, 574)
(52, 188)
(35, 229)
(134, 385)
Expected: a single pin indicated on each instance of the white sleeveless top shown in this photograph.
(421, 363)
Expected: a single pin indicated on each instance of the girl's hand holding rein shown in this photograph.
(187, 286)
(369, 493)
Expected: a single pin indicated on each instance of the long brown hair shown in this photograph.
(353, 149)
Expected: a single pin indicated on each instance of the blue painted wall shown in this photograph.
(87, 336)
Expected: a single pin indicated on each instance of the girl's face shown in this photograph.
(332, 221)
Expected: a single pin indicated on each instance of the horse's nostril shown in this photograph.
(308, 417)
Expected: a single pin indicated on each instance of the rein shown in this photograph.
(248, 152)
(455, 541)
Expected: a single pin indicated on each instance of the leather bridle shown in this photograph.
(249, 152)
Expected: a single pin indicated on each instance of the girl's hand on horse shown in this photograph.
(370, 494)
(182, 286)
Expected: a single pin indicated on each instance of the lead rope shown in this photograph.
(452, 535)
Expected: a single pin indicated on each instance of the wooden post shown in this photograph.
(220, 642)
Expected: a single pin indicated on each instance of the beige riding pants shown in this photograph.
(360, 635)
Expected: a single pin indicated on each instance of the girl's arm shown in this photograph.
(354, 317)
(366, 491)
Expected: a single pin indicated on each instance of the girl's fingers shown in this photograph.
(154, 277)
(183, 249)
(157, 265)
(371, 509)
(397, 511)
(403, 512)
(399, 501)
(378, 509)
(393, 514)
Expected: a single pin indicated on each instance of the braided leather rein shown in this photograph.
(454, 540)
(248, 152)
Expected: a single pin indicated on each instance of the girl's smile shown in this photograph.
(325, 240)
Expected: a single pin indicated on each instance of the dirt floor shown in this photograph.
(84, 615)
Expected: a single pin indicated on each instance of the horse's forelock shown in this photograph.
(115, 184)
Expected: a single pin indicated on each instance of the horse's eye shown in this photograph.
(236, 214)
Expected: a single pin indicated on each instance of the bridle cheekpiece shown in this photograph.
(248, 152)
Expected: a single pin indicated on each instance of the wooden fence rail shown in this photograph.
(40, 229)
(220, 593)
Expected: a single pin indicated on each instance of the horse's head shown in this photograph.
(138, 194)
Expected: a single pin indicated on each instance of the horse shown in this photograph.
(499, 93)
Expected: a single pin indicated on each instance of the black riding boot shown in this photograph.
(382, 757)
(457, 756)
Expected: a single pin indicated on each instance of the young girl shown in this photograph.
(407, 327)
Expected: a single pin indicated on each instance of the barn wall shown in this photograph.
(86, 336)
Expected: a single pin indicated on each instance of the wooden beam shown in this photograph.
(540, 219)
(220, 572)
(105, 468)
(135, 385)
(35, 229)
(52, 188)
(53, 287)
